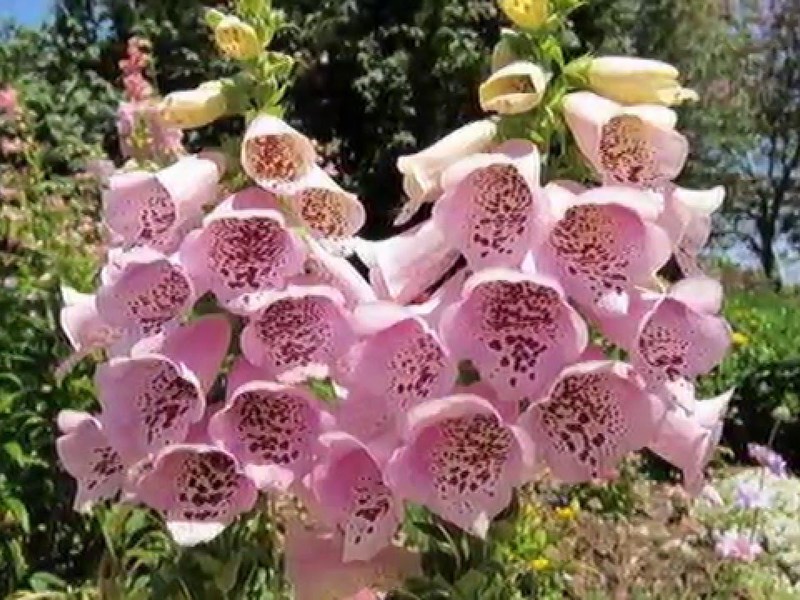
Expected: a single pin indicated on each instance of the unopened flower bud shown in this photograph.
(637, 81)
(236, 39)
(528, 14)
(782, 414)
(190, 109)
(514, 89)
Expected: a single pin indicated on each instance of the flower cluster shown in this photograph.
(460, 368)
(144, 134)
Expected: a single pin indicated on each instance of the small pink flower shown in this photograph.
(11, 146)
(9, 101)
(737, 546)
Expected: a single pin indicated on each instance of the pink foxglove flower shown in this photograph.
(627, 145)
(86, 454)
(603, 244)
(276, 156)
(687, 221)
(85, 329)
(298, 333)
(404, 266)
(461, 460)
(272, 429)
(492, 206)
(687, 438)
(681, 336)
(517, 329)
(145, 292)
(349, 486)
(315, 566)
(326, 209)
(738, 546)
(157, 209)
(596, 413)
(240, 253)
(198, 489)
(151, 400)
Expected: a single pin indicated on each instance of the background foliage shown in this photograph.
(375, 79)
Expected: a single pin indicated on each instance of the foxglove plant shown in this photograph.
(359, 395)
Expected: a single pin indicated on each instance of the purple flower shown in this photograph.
(750, 494)
(737, 546)
(768, 458)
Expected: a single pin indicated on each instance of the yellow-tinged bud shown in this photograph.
(540, 564)
(189, 109)
(514, 89)
(236, 39)
(630, 80)
(566, 513)
(528, 14)
(739, 339)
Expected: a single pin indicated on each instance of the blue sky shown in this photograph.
(27, 12)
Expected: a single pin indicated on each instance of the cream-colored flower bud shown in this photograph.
(236, 39)
(528, 14)
(630, 80)
(516, 88)
(422, 172)
(189, 109)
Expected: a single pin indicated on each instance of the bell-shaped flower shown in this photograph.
(461, 460)
(144, 292)
(516, 88)
(190, 109)
(275, 155)
(518, 330)
(322, 267)
(594, 415)
(86, 454)
(317, 571)
(298, 333)
(687, 438)
(272, 429)
(492, 207)
(687, 221)
(348, 485)
(85, 329)
(242, 252)
(681, 336)
(626, 145)
(326, 209)
(236, 39)
(528, 14)
(198, 489)
(405, 266)
(158, 209)
(422, 172)
(150, 400)
(630, 80)
(603, 244)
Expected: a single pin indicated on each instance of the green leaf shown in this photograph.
(47, 582)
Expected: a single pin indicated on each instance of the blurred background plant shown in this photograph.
(373, 80)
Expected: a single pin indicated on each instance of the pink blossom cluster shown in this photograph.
(9, 102)
(141, 128)
(460, 368)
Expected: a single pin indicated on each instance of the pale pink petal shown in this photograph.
(595, 414)
(85, 329)
(315, 567)
(298, 333)
(349, 486)
(276, 156)
(198, 489)
(405, 266)
(323, 268)
(273, 430)
(85, 453)
(461, 460)
(517, 329)
(242, 253)
(492, 205)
